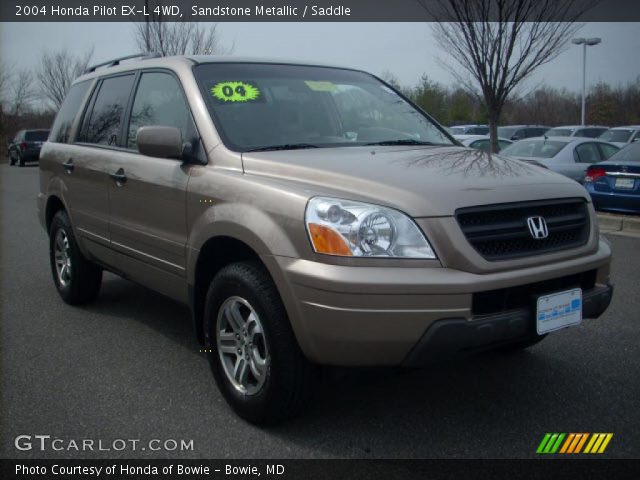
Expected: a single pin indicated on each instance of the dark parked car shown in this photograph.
(615, 184)
(518, 132)
(26, 145)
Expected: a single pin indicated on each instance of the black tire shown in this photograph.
(522, 344)
(85, 277)
(289, 376)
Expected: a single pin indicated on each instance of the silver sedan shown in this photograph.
(569, 156)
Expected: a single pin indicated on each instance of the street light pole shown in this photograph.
(585, 42)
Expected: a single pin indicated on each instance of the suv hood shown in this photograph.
(421, 181)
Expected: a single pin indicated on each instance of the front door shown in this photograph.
(147, 196)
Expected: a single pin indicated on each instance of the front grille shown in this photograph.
(522, 296)
(500, 232)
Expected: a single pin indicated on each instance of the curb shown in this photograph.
(618, 223)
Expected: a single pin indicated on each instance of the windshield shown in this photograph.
(559, 132)
(36, 136)
(616, 135)
(630, 153)
(263, 106)
(534, 148)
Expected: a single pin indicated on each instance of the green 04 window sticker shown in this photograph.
(235, 92)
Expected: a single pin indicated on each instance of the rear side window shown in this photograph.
(103, 124)
(607, 150)
(588, 153)
(68, 111)
(159, 101)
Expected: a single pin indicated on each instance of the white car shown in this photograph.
(570, 156)
(621, 136)
(481, 142)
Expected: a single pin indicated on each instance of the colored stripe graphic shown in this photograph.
(572, 443)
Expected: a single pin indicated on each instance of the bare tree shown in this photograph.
(57, 71)
(493, 45)
(21, 92)
(177, 38)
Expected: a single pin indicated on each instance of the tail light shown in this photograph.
(594, 173)
(23, 146)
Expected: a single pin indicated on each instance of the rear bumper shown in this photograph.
(457, 337)
(617, 202)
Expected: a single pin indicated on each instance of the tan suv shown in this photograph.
(309, 215)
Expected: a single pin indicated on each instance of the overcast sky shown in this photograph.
(406, 49)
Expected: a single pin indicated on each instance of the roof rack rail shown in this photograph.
(116, 61)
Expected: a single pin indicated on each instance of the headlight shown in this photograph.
(347, 228)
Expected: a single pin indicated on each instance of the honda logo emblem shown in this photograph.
(537, 227)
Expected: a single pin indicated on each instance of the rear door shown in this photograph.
(87, 163)
(147, 195)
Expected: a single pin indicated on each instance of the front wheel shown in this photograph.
(77, 279)
(254, 356)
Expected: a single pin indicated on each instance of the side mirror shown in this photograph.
(158, 141)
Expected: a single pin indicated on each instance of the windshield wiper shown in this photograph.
(404, 141)
(286, 146)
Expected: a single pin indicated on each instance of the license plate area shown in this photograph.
(558, 310)
(624, 183)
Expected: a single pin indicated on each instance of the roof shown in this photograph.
(134, 62)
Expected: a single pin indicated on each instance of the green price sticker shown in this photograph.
(235, 92)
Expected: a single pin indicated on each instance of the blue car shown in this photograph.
(614, 184)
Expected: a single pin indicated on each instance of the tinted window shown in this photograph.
(630, 153)
(483, 145)
(588, 153)
(536, 132)
(534, 148)
(607, 150)
(478, 130)
(590, 132)
(36, 136)
(68, 111)
(159, 101)
(103, 123)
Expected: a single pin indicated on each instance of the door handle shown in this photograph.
(119, 176)
(68, 165)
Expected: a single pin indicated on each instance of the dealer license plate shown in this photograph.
(558, 310)
(626, 183)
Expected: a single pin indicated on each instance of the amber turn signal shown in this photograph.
(328, 241)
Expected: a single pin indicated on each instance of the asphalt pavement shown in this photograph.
(129, 367)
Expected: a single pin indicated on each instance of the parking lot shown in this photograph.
(129, 367)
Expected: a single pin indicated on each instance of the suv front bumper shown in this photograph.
(455, 337)
(365, 316)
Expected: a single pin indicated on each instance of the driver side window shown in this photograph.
(159, 101)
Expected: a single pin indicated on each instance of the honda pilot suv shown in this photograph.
(308, 215)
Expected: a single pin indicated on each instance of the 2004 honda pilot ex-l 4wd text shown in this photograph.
(309, 215)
